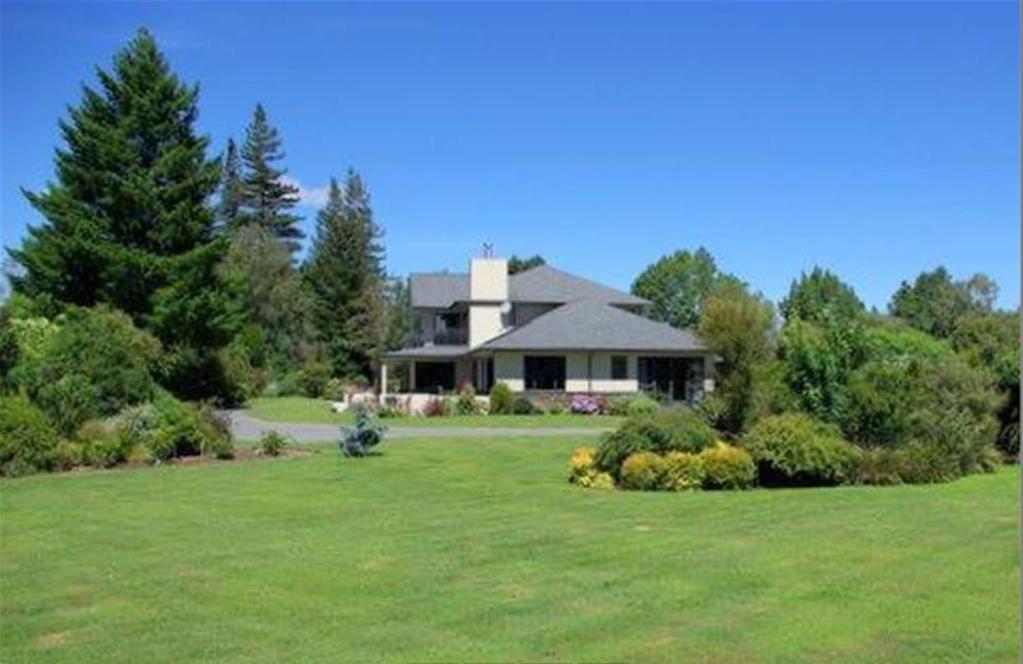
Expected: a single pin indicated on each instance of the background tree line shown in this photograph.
(942, 365)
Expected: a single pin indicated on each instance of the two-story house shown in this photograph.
(543, 329)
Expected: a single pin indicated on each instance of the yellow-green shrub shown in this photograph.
(728, 467)
(602, 481)
(582, 463)
(683, 471)
(643, 471)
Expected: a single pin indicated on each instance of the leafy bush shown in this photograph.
(683, 471)
(93, 365)
(584, 404)
(465, 403)
(69, 401)
(101, 447)
(501, 399)
(795, 450)
(215, 430)
(334, 390)
(523, 406)
(880, 467)
(360, 439)
(641, 405)
(436, 407)
(312, 379)
(602, 481)
(28, 442)
(728, 467)
(674, 430)
(644, 471)
(273, 443)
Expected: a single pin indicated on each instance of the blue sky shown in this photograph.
(876, 139)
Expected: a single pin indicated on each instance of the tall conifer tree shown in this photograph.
(345, 277)
(232, 189)
(127, 221)
(268, 197)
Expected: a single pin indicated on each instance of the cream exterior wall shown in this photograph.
(508, 368)
(484, 323)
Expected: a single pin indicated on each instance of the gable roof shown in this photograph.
(595, 325)
(438, 289)
(543, 284)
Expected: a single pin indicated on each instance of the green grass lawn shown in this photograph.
(478, 550)
(317, 411)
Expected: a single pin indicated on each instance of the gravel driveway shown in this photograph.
(246, 427)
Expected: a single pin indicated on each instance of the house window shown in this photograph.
(619, 367)
(544, 372)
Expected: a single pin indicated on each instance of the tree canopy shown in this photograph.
(677, 285)
(819, 292)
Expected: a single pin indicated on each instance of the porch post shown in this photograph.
(708, 373)
(412, 376)
(383, 380)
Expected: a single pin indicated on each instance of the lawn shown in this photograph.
(477, 550)
(317, 411)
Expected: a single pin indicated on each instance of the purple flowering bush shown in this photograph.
(584, 404)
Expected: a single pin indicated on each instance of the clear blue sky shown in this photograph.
(876, 139)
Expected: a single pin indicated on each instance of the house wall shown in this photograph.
(585, 372)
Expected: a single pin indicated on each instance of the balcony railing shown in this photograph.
(452, 337)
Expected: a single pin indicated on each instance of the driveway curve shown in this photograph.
(246, 427)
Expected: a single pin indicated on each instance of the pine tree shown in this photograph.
(232, 190)
(345, 278)
(267, 195)
(127, 217)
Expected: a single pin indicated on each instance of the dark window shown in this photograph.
(619, 367)
(435, 377)
(544, 372)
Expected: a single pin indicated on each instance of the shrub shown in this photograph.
(69, 401)
(523, 406)
(101, 447)
(641, 405)
(602, 481)
(215, 431)
(619, 405)
(28, 442)
(556, 407)
(435, 407)
(99, 348)
(334, 390)
(795, 450)
(673, 430)
(273, 443)
(360, 439)
(501, 399)
(728, 467)
(683, 471)
(68, 455)
(879, 466)
(466, 403)
(584, 404)
(312, 379)
(393, 407)
(582, 465)
(644, 471)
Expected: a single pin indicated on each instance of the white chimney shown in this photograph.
(488, 293)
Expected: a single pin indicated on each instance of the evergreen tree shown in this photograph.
(267, 195)
(232, 190)
(346, 280)
(677, 285)
(127, 217)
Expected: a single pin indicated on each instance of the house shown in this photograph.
(543, 329)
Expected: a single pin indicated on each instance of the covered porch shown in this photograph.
(435, 370)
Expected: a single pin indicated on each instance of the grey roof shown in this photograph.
(547, 284)
(438, 289)
(539, 284)
(596, 325)
(429, 352)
